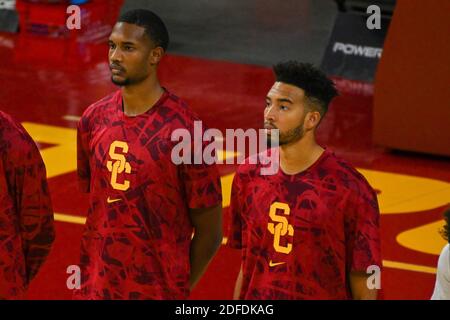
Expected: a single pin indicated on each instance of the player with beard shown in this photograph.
(311, 230)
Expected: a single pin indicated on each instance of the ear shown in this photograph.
(312, 120)
(156, 55)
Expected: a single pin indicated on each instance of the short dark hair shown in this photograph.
(153, 25)
(319, 90)
(446, 230)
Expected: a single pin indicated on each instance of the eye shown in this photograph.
(112, 45)
(128, 48)
(267, 104)
(284, 108)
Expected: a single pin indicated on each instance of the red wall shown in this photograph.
(412, 85)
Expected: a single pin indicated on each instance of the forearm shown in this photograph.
(36, 216)
(359, 287)
(36, 253)
(202, 251)
(35, 258)
(369, 295)
(238, 286)
(37, 247)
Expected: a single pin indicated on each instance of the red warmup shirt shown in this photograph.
(302, 234)
(26, 215)
(137, 236)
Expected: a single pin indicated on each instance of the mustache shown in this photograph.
(268, 125)
(116, 66)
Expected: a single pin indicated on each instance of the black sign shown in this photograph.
(9, 20)
(354, 50)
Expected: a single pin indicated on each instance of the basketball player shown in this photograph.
(442, 286)
(26, 214)
(143, 208)
(312, 230)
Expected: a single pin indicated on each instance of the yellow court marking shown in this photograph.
(225, 154)
(69, 218)
(402, 193)
(61, 158)
(226, 182)
(69, 117)
(424, 238)
(408, 266)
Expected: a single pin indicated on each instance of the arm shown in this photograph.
(35, 210)
(359, 288)
(207, 239)
(83, 168)
(235, 230)
(363, 247)
(238, 285)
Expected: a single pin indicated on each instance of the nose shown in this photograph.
(115, 55)
(270, 114)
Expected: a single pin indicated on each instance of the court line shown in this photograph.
(69, 218)
(69, 117)
(386, 263)
(408, 267)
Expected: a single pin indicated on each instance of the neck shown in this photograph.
(139, 98)
(300, 155)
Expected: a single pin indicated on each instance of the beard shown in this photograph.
(126, 81)
(292, 135)
(121, 83)
(288, 137)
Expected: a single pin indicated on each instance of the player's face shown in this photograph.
(129, 52)
(285, 111)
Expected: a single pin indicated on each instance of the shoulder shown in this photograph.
(99, 107)
(15, 142)
(247, 170)
(443, 269)
(11, 130)
(262, 165)
(178, 112)
(6, 121)
(347, 175)
(444, 258)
